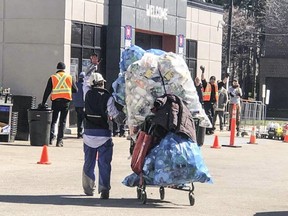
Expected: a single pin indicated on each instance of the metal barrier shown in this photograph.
(253, 113)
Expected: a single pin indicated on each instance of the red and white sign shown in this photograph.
(128, 32)
(181, 40)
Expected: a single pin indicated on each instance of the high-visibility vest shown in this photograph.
(207, 92)
(61, 86)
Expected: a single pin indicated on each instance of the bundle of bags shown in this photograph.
(146, 75)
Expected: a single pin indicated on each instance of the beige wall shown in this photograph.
(206, 27)
(91, 11)
(31, 43)
(35, 35)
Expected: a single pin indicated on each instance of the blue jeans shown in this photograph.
(105, 153)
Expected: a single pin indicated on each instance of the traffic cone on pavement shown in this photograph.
(286, 136)
(216, 143)
(253, 136)
(44, 156)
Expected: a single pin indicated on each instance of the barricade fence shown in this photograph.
(253, 113)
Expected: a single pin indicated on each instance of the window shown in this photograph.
(191, 57)
(85, 40)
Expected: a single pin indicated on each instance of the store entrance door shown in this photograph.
(148, 41)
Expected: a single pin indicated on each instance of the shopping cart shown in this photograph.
(141, 188)
(142, 195)
(189, 187)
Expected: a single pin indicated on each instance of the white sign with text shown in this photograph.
(156, 12)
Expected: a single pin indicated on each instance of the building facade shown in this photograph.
(273, 72)
(36, 34)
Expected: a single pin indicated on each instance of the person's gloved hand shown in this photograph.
(202, 68)
(42, 106)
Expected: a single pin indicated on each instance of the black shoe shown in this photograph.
(89, 193)
(79, 136)
(104, 195)
(59, 143)
(51, 140)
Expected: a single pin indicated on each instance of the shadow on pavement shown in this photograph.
(83, 201)
(279, 213)
(15, 144)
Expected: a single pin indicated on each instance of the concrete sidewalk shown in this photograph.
(251, 180)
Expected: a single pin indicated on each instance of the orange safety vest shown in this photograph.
(207, 92)
(61, 86)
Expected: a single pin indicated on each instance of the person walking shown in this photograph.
(235, 94)
(97, 136)
(93, 67)
(221, 105)
(78, 102)
(210, 97)
(61, 86)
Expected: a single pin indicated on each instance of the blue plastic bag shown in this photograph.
(130, 55)
(157, 52)
(175, 161)
(119, 89)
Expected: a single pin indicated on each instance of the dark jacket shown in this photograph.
(77, 98)
(173, 115)
(96, 109)
(200, 93)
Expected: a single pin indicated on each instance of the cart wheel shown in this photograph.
(191, 199)
(138, 193)
(162, 193)
(143, 197)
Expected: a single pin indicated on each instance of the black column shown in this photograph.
(113, 41)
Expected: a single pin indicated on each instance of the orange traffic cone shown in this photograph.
(44, 156)
(253, 136)
(286, 136)
(216, 143)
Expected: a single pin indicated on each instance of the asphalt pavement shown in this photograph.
(251, 180)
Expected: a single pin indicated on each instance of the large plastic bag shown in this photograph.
(175, 161)
(130, 55)
(153, 76)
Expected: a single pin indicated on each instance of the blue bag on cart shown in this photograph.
(175, 161)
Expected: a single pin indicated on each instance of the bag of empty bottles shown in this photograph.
(175, 161)
(153, 76)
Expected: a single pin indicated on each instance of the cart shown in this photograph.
(142, 195)
(189, 187)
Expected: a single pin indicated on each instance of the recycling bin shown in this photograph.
(39, 126)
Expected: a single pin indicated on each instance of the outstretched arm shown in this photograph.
(48, 91)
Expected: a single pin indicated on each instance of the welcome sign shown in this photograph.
(156, 12)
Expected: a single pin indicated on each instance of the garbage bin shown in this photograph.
(39, 126)
(200, 132)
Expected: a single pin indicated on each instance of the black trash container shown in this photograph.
(200, 132)
(39, 126)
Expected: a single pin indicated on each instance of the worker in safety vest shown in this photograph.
(61, 86)
(210, 97)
